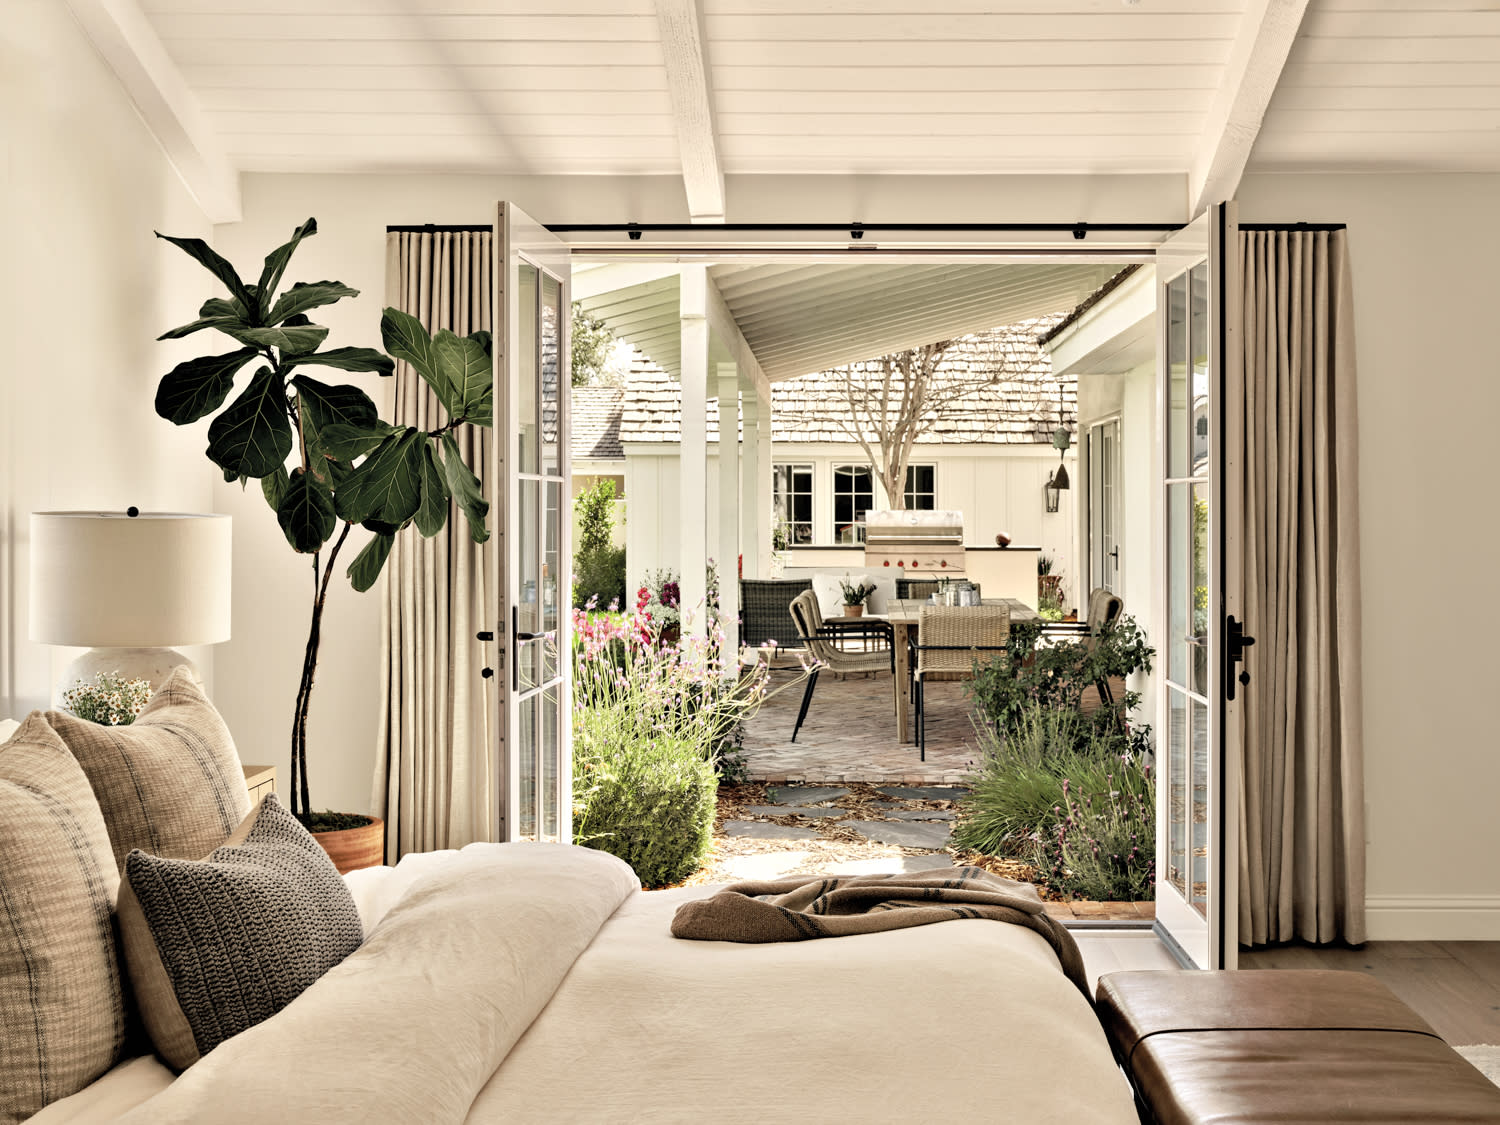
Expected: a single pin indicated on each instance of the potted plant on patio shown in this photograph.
(350, 467)
(854, 595)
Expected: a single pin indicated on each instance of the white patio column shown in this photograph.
(728, 550)
(753, 503)
(763, 489)
(692, 461)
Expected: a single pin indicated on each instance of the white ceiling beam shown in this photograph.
(1267, 31)
(598, 280)
(722, 324)
(681, 26)
(123, 35)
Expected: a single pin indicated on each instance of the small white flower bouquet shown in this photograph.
(111, 700)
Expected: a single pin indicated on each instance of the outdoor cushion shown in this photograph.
(831, 595)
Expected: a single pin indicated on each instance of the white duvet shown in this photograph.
(526, 983)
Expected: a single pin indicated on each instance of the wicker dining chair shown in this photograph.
(821, 643)
(950, 640)
(1105, 609)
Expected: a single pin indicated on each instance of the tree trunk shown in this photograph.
(301, 804)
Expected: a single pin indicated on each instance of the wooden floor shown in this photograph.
(1453, 985)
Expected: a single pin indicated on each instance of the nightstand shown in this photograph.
(260, 780)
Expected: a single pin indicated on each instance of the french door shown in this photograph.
(1198, 383)
(532, 317)
(1104, 507)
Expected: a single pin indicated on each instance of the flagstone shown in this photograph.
(800, 795)
(765, 830)
(791, 810)
(902, 833)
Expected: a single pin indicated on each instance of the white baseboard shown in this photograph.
(1433, 917)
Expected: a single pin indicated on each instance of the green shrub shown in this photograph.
(1102, 845)
(598, 565)
(647, 798)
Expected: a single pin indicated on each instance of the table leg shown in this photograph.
(901, 630)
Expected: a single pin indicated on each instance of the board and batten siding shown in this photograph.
(996, 488)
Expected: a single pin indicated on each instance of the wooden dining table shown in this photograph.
(904, 616)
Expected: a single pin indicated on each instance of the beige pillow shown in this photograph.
(170, 783)
(217, 946)
(62, 1009)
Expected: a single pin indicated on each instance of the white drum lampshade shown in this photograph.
(129, 585)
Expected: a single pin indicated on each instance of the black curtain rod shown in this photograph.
(1294, 226)
(429, 228)
(856, 230)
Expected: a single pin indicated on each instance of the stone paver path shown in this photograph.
(803, 795)
(765, 830)
(906, 834)
(790, 810)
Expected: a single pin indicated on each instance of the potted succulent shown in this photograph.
(854, 595)
(348, 468)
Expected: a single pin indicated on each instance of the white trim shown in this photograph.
(129, 45)
(689, 83)
(1433, 917)
(1268, 29)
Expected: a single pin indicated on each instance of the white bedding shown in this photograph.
(535, 983)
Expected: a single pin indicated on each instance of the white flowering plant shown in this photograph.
(111, 700)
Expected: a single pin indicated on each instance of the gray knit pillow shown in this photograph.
(218, 945)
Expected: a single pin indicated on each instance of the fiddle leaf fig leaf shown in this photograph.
(216, 264)
(405, 338)
(387, 485)
(253, 436)
(223, 323)
(466, 489)
(306, 513)
(432, 514)
(346, 359)
(328, 404)
(196, 388)
(273, 487)
(294, 341)
(464, 365)
(348, 443)
(276, 263)
(367, 565)
(305, 296)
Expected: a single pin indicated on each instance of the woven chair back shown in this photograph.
(809, 620)
(958, 631)
(1104, 610)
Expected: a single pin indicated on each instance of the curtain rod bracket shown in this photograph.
(856, 230)
(633, 232)
(1081, 231)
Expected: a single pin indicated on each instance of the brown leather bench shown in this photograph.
(1326, 1048)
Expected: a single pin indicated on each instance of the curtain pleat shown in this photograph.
(1302, 862)
(435, 779)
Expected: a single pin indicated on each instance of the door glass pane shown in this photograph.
(1177, 377)
(1197, 440)
(528, 605)
(527, 427)
(551, 763)
(1179, 581)
(551, 329)
(551, 565)
(1199, 830)
(1199, 611)
(1177, 796)
(526, 764)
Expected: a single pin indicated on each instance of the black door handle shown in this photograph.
(1236, 641)
(515, 649)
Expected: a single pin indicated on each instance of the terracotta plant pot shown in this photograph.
(854, 611)
(353, 848)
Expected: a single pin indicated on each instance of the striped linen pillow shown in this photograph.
(62, 1007)
(171, 782)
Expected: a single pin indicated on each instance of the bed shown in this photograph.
(538, 983)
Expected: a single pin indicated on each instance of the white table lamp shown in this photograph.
(130, 585)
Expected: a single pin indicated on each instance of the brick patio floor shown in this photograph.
(850, 734)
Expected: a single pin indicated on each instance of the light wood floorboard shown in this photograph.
(1453, 985)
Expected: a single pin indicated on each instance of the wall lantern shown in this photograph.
(1054, 486)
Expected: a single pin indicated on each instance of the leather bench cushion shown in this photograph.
(1135, 1005)
(1316, 1077)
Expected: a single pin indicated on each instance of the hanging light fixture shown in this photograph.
(1058, 481)
(1051, 492)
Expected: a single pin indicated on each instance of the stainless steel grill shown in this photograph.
(921, 544)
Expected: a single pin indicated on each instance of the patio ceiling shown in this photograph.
(800, 319)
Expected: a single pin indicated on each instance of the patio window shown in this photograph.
(921, 488)
(853, 496)
(793, 491)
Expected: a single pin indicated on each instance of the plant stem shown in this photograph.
(301, 802)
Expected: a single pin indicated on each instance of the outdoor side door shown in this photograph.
(533, 630)
(1198, 379)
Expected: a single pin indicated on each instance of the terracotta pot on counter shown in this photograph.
(854, 611)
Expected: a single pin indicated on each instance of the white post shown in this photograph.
(692, 461)
(752, 500)
(729, 510)
(763, 489)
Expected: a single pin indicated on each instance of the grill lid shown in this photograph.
(883, 526)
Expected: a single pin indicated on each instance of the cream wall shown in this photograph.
(84, 290)
(1423, 252)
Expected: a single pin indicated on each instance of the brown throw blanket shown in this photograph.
(799, 909)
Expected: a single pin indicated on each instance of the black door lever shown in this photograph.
(1236, 641)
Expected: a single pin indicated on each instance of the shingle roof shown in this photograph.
(1014, 401)
(596, 422)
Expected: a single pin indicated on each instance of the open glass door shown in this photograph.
(1104, 515)
(1197, 789)
(534, 558)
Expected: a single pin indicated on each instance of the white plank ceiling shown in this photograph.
(828, 86)
(799, 319)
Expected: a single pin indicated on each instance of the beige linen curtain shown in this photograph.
(1302, 859)
(436, 782)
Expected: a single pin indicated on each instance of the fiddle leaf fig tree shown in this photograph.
(347, 466)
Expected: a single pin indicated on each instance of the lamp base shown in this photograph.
(154, 664)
